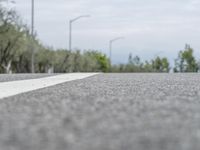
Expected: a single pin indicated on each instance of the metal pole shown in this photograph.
(70, 35)
(70, 29)
(110, 53)
(111, 42)
(32, 34)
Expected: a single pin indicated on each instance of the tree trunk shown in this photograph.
(8, 68)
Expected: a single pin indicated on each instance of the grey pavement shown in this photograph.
(106, 112)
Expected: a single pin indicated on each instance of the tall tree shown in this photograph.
(10, 33)
(186, 61)
(160, 64)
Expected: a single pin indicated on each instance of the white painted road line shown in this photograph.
(12, 88)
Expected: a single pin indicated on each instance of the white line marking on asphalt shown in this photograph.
(12, 88)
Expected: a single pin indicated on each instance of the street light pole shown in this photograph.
(70, 35)
(70, 29)
(32, 34)
(110, 47)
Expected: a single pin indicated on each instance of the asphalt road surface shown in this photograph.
(106, 112)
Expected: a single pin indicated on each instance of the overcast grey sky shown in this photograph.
(149, 26)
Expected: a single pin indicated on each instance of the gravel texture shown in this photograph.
(15, 77)
(106, 112)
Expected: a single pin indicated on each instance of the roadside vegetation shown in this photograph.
(16, 46)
